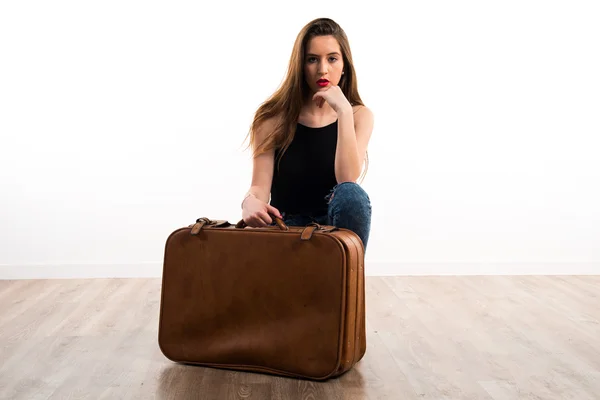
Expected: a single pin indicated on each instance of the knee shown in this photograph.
(351, 197)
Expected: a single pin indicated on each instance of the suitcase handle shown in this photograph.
(278, 221)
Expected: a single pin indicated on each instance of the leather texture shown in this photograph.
(282, 300)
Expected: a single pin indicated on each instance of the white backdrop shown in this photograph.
(122, 121)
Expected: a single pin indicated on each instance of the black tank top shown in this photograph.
(306, 172)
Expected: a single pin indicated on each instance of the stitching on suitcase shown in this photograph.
(339, 360)
(341, 344)
(357, 324)
(356, 314)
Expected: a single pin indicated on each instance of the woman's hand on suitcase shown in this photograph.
(256, 213)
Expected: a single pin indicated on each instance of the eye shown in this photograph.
(310, 59)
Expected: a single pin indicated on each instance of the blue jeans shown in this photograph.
(349, 207)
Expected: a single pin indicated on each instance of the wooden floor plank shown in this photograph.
(446, 337)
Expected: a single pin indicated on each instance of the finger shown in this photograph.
(264, 216)
(258, 218)
(275, 211)
(257, 222)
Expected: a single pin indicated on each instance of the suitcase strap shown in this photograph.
(201, 222)
(307, 232)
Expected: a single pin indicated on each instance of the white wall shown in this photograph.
(122, 121)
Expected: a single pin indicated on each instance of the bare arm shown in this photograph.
(262, 166)
(354, 132)
(255, 206)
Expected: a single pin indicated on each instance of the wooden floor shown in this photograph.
(463, 337)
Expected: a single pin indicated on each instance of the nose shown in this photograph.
(322, 70)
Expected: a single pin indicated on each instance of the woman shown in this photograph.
(310, 140)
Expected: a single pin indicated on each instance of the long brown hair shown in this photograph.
(289, 98)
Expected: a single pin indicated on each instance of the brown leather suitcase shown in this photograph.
(283, 300)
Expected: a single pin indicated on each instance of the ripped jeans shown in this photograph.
(349, 207)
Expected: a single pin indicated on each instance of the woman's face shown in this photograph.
(323, 60)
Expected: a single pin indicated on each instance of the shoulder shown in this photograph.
(267, 126)
(362, 115)
(271, 122)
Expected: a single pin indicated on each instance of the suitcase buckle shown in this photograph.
(201, 222)
(311, 227)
